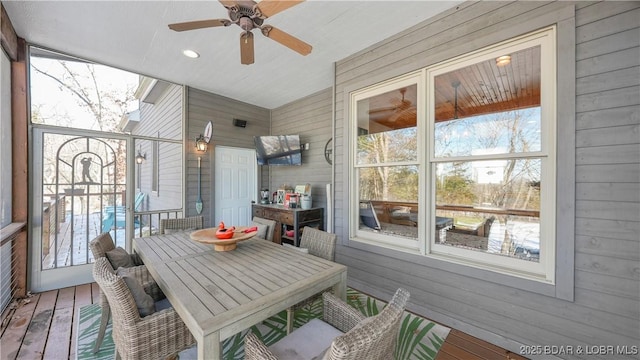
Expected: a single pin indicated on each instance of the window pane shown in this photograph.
(389, 200)
(75, 93)
(387, 147)
(387, 127)
(491, 206)
(489, 108)
(514, 131)
(512, 184)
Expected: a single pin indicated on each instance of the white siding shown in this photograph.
(309, 117)
(162, 120)
(606, 294)
(203, 107)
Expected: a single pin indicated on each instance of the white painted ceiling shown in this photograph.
(133, 36)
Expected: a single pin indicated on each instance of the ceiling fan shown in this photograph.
(250, 15)
(401, 108)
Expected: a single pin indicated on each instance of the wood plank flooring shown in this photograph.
(44, 327)
(461, 346)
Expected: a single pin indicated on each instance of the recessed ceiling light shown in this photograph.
(191, 54)
(503, 60)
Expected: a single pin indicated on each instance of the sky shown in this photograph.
(52, 101)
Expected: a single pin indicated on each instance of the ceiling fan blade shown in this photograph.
(228, 3)
(287, 40)
(267, 8)
(246, 48)
(408, 113)
(381, 110)
(199, 24)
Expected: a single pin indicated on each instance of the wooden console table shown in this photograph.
(289, 219)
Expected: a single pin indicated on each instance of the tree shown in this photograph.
(79, 94)
(388, 182)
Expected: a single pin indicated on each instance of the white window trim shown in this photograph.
(544, 271)
(399, 243)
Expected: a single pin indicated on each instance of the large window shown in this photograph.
(476, 183)
(386, 162)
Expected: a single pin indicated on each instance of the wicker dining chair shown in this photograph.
(271, 226)
(344, 333)
(188, 223)
(156, 336)
(99, 246)
(321, 244)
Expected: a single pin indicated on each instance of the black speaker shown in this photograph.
(239, 123)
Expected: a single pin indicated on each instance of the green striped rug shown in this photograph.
(419, 338)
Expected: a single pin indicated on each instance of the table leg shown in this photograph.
(340, 288)
(210, 348)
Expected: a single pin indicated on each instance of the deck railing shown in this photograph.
(10, 284)
(150, 220)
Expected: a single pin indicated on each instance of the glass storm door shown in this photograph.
(79, 191)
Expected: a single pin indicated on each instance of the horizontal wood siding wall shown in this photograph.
(162, 120)
(606, 309)
(309, 117)
(204, 107)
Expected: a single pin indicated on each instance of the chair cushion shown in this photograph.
(308, 342)
(162, 304)
(144, 302)
(262, 230)
(119, 257)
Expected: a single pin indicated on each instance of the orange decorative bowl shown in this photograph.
(225, 233)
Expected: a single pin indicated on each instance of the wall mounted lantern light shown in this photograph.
(202, 141)
(201, 144)
(140, 158)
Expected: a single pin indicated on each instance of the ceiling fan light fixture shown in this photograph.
(249, 15)
(503, 60)
(190, 54)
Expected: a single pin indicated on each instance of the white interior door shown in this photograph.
(236, 185)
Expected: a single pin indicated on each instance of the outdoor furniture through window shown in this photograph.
(115, 216)
(344, 333)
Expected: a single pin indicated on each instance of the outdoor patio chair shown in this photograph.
(115, 216)
(99, 248)
(182, 224)
(271, 226)
(344, 333)
(318, 243)
(154, 336)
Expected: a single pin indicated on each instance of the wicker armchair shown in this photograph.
(188, 223)
(155, 336)
(271, 226)
(99, 248)
(321, 244)
(363, 338)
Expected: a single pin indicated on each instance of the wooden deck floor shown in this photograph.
(44, 327)
(461, 346)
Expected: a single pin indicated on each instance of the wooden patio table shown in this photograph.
(218, 294)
